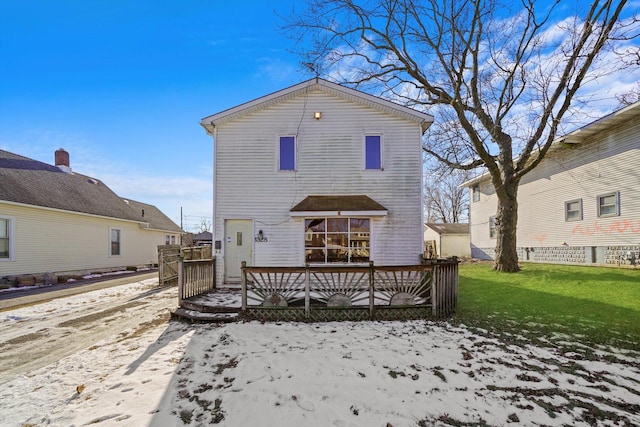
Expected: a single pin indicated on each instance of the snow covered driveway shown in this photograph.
(38, 335)
(332, 374)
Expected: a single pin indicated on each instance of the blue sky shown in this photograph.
(122, 86)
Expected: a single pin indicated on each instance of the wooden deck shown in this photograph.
(327, 293)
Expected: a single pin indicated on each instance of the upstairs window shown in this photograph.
(475, 190)
(573, 210)
(373, 152)
(115, 234)
(609, 205)
(287, 153)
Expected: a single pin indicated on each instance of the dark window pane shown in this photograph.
(287, 153)
(316, 224)
(359, 224)
(314, 255)
(373, 159)
(338, 224)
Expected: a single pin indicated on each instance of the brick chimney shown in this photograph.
(62, 160)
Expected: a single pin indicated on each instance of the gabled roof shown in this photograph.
(582, 134)
(450, 228)
(210, 122)
(30, 182)
(338, 206)
(153, 216)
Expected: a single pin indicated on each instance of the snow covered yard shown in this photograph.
(335, 374)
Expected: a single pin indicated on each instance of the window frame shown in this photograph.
(380, 152)
(326, 236)
(475, 193)
(580, 210)
(11, 232)
(280, 152)
(111, 242)
(493, 227)
(599, 206)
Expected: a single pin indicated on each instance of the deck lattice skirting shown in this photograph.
(328, 293)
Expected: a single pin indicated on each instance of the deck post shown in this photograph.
(244, 286)
(371, 289)
(180, 279)
(307, 290)
(434, 292)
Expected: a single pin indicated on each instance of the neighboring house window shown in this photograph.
(373, 152)
(476, 192)
(287, 153)
(167, 239)
(493, 231)
(6, 238)
(337, 240)
(116, 239)
(173, 240)
(573, 210)
(609, 205)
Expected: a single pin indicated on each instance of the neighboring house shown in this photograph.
(449, 239)
(581, 205)
(202, 239)
(55, 220)
(317, 173)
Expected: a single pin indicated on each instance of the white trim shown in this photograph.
(72, 212)
(12, 238)
(315, 214)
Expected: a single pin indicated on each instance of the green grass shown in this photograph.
(557, 304)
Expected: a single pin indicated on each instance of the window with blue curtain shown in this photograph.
(373, 152)
(287, 153)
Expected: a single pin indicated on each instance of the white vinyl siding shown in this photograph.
(57, 241)
(587, 171)
(329, 161)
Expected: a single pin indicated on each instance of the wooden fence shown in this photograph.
(168, 256)
(195, 271)
(319, 293)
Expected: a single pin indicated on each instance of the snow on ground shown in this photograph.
(414, 373)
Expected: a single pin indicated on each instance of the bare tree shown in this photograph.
(500, 81)
(445, 201)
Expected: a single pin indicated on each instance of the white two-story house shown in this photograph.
(581, 205)
(316, 173)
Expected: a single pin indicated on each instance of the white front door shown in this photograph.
(238, 247)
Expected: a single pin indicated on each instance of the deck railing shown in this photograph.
(350, 292)
(196, 272)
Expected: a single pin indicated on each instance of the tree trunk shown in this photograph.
(506, 258)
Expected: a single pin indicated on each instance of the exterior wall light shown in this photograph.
(317, 115)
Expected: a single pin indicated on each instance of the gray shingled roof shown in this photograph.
(153, 216)
(449, 228)
(30, 182)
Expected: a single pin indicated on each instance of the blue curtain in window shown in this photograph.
(287, 153)
(373, 158)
